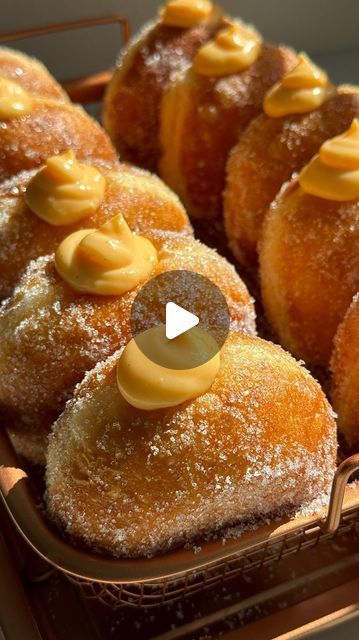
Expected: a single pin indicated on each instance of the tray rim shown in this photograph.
(22, 505)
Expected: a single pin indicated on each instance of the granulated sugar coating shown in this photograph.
(202, 118)
(142, 198)
(51, 127)
(267, 154)
(30, 74)
(345, 380)
(144, 71)
(262, 440)
(52, 335)
(309, 263)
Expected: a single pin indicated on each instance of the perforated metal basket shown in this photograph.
(179, 573)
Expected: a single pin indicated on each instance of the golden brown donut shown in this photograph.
(143, 198)
(345, 370)
(261, 441)
(267, 154)
(144, 70)
(309, 269)
(50, 128)
(201, 120)
(30, 74)
(52, 335)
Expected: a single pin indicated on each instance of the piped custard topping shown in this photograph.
(65, 191)
(162, 380)
(233, 50)
(302, 90)
(186, 13)
(106, 261)
(333, 174)
(14, 100)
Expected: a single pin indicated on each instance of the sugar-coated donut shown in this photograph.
(49, 128)
(267, 154)
(309, 268)
(52, 335)
(30, 74)
(143, 198)
(144, 70)
(202, 118)
(132, 482)
(345, 370)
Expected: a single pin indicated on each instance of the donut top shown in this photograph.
(333, 174)
(14, 100)
(186, 13)
(302, 90)
(233, 50)
(106, 261)
(65, 191)
(146, 384)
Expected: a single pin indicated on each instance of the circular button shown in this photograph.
(183, 302)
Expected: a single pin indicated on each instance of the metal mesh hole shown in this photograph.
(156, 593)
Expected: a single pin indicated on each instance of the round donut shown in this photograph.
(130, 482)
(142, 197)
(345, 380)
(30, 74)
(52, 335)
(145, 69)
(309, 269)
(267, 154)
(51, 127)
(202, 118)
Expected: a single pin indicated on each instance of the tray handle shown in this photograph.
(90, 88)
(46, 29)
(21, 503)
(340, 481)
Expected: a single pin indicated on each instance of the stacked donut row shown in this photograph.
(139, 456)
(52, 334)
(237, 128)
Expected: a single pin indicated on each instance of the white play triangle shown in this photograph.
(178, 320)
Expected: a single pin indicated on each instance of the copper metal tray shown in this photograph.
(179, 573)
(301, 590)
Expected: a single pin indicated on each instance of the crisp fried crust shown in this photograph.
(345, 381)
(50, 128)
(52, 335)
(268, 152)
(133, 97)
(202, 119)
(142, 198)
(30, 74)
(309, 267)
(262, 440)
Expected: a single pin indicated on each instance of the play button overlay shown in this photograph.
(178, 320)
(181, 301)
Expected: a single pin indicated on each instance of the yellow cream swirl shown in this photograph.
(106, 261)
(234, 49)
(302, 90)
(148, 385)
(185, 13)
(14, 100)
(333, 174)
(65, 191)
